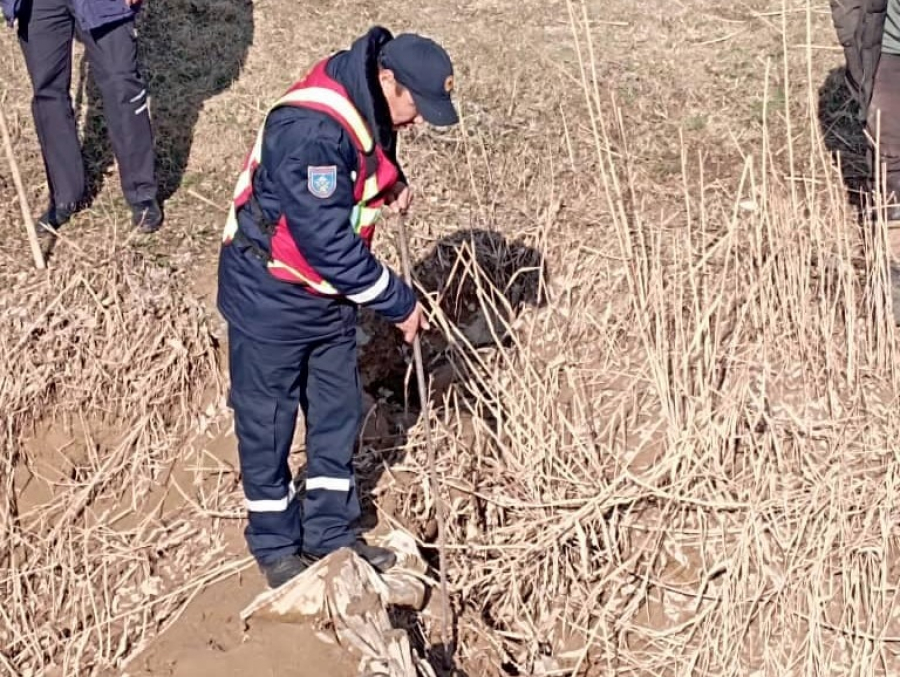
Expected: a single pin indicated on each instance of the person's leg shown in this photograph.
(333, 414)
(112, 54)
(333, 409)
(884, 120)
(266, 382)
(846, 15)
(46, 28)
(883, 128)
(883, 125)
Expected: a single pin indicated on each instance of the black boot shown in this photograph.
(282, 570)
(381, 559)
(146, 216)
(54, 218)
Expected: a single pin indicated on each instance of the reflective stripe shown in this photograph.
(329, 483)
(246, 175)
(134, 99)
(141, 109)
(322, 287)
(267, 505)
(369, 216)
(244, 183)
(338, 104)
(375, 290)
(362, 216)
(231, 225)
(370, 187)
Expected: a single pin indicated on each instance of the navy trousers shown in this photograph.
(46, 30)
(269, 382)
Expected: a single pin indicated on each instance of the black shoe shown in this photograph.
(146, 216)
(55, 217)
(282, 570)
(381, 559)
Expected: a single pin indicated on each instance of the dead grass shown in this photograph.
(685, 464)
(675, 454)
(107, 347)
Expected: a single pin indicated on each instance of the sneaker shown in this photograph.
(146, 216)
(282, 570)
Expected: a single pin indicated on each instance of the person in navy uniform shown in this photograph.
(106, 28)
(294, 267)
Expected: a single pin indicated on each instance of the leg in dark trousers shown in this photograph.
(883, 124)
(267, 381)
(886, 126)
(333, 410)
(112, 55)
(46, 29)
(846, 16)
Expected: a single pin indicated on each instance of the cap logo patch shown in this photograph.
(448, 84)
(321, 181)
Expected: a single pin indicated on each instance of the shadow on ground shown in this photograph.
(189, 51)
(843, 133)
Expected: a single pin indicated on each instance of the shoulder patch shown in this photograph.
(321, 181)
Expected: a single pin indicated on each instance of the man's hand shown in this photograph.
(411, 325)
(399, 199)
(133, 3)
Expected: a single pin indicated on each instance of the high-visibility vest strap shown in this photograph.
(337, 106)
(375, 174)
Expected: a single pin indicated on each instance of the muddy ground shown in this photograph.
(690, 90)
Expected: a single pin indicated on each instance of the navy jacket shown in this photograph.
(294, 140)
(90, 14)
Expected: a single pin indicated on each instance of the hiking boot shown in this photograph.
(381, 559)
(146, 216)
(54, 218)
(282, 570)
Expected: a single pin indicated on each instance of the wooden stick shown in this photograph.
(23, 200)
(206, 200)
(432, 461)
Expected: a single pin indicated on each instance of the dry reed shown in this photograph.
(686, 463)
(90, 565)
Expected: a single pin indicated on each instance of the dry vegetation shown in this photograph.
(108, 348)
(665, 392)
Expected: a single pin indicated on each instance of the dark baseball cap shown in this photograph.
(424, 68)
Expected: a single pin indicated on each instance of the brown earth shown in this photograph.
(685, 457)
